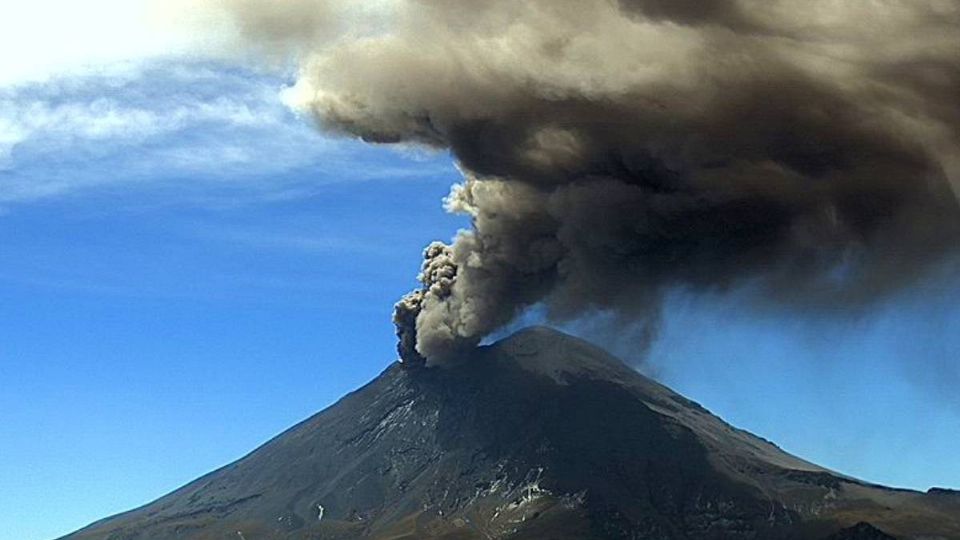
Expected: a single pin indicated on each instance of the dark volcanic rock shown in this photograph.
(861, 531)
(540, 436)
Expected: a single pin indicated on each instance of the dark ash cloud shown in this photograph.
(614, 149)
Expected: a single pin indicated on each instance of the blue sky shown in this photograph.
(187, 268)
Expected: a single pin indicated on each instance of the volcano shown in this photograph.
(538, 436)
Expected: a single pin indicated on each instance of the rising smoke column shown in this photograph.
(614, 149)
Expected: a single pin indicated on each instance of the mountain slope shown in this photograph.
(539, 436)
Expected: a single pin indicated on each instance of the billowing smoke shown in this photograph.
(613, 150)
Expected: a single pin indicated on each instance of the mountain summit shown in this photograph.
(539, 436)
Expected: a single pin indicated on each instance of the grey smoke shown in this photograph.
(615, 149)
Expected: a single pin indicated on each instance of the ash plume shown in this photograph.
(615, 149)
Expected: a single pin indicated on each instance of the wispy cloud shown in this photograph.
(192, 123)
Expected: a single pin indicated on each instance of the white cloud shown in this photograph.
(40, 39)
(43, 38)
(187, 123)
(105, 118)
(155, 122)
(119, 93)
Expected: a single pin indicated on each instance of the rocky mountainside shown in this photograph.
(539, 436)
